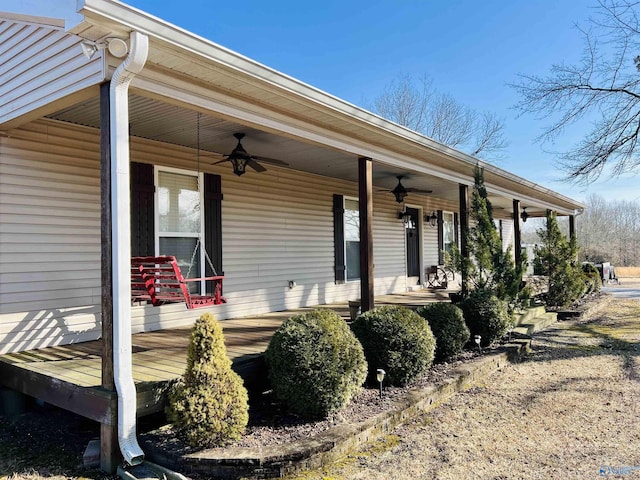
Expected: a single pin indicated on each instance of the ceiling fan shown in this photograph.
(240, 159)
(400, 191)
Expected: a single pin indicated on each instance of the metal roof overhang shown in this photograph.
(284, 118)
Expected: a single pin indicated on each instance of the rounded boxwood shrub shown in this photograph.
(486, 315)
(316, 364)
(397, 340)
(208, 407)
(447, 324)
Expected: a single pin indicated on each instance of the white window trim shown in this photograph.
(452, 217)
(344, 243)
(156, 234)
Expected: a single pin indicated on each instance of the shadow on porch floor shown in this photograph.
(69, 376)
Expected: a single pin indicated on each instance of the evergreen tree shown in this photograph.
(488, 266)
(209, 406)
(557, 259)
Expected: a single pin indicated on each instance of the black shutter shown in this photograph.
(440, 238)
(456, 229)
(338, 238)
(213, 223)
(142, 214)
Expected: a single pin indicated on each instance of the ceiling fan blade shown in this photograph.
(271, 161)
(418, 190)
(256, 166)
(221, 161)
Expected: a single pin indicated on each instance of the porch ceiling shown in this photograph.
(155, 120)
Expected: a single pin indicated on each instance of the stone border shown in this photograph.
(337, 442)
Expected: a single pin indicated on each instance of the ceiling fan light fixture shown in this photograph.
(524, 215)
(239, 157)
(399, 192)
(239, 165)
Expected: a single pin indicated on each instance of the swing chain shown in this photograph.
(198, 242)
(206, 255)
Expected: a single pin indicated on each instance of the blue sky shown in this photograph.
(471, 49)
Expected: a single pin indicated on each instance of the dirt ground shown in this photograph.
(569, 411)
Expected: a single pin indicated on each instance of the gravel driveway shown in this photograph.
(569, 411)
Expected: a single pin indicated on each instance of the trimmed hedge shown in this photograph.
(447, 324)
(486, 315)
(397, 340)
(316, 364)
(209, 406)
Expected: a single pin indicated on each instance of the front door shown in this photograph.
(413, 243)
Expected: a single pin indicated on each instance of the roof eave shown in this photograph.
(121, 17)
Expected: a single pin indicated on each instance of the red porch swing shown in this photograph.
(159, 280)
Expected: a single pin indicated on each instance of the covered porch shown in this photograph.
(70, 376)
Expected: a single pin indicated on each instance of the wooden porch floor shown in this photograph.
(69, 376)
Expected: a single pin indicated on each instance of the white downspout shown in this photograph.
(121, 231)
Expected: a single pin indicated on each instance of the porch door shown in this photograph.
(413, 243)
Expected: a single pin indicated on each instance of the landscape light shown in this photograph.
(380, 373)
(478, 339)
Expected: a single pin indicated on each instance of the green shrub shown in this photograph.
(316, 364)
(592, 278)
(447, 324)
(209, 406)
(486, 315)
(397, 340)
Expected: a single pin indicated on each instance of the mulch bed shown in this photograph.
(271, 424)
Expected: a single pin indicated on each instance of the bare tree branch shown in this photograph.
(603, 89)
(418, 106)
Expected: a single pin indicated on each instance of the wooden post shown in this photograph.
(365, 187)
(572, 226)
(464, 232)
(517, 238)
(109, 449)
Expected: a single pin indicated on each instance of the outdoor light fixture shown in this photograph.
(524, 215)
(239, 158)
(380, 373)
(431, 219)
(478, 339)
(400, 192)
(405, 217)
(115, 46)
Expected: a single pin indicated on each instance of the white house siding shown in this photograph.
(506, 229)
(49, 237)
(40, 64)
(430, 245)
(277, 226)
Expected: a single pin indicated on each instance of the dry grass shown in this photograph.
(567, 411)
(628, 272)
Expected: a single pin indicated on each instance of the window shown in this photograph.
(352, 238)
(448, 232)
(180, 221)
